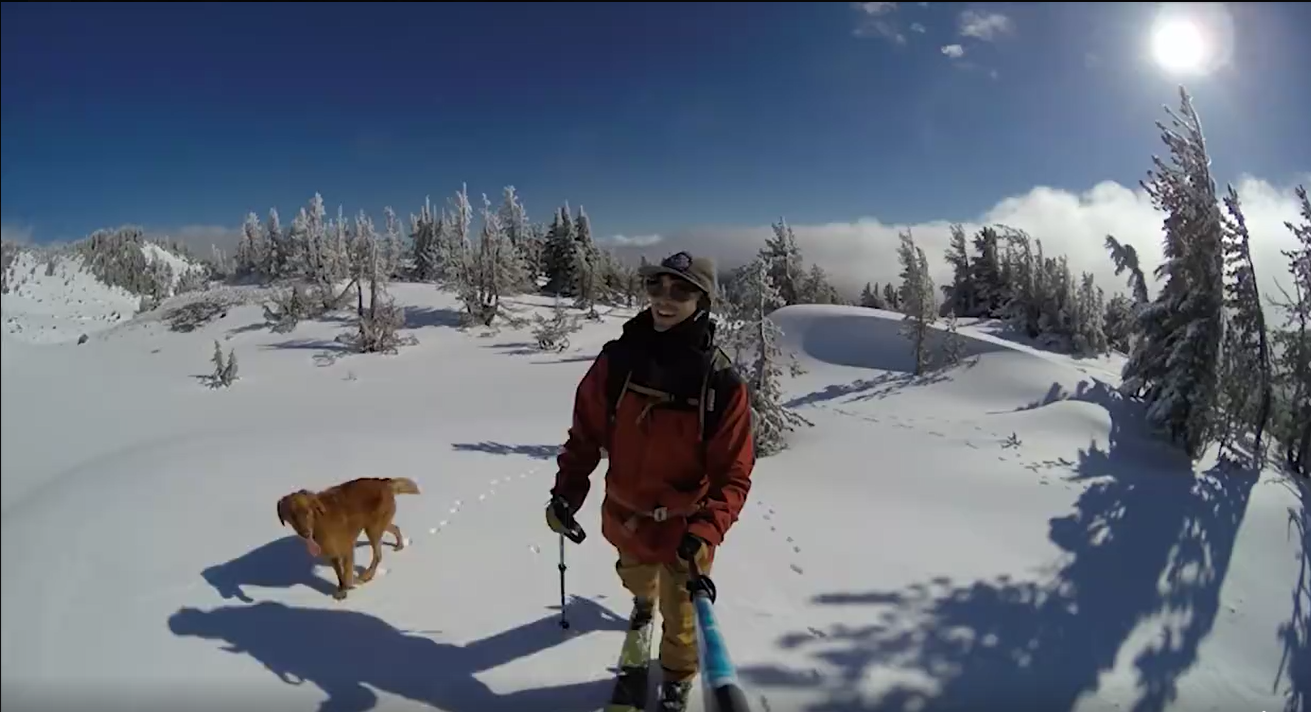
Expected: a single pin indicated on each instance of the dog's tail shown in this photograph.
(404, 485)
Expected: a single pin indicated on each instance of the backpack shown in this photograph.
(717, 382)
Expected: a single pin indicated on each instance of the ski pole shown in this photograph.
(564, 619)
(722, 691)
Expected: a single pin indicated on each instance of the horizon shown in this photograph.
(698, 136)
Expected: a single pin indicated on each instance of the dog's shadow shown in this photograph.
(281, 563)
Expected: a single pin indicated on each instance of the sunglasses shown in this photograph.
(679, 290)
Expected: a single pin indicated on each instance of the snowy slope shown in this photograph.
(906, 553)
(60, 307)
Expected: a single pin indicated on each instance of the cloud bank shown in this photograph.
(1075, 225)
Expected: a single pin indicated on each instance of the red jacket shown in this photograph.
(655, 459)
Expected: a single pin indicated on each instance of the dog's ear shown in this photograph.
(282, 511)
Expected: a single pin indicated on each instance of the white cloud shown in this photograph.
(632, 241)
(954, 51)
(876, 21)
(200, 238)
(917, 27)
(1070, 224)
(986, 26)
(876, 8)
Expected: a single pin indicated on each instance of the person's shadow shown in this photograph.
(345, 653)
(281, 563)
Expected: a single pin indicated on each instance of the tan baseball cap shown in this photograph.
(700, 271)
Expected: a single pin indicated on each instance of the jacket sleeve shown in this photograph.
(730, 457)
(582, 451)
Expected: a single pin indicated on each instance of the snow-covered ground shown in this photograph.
(43, 308)
(1001, 535)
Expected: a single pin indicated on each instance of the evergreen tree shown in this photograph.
(1247, 355)
(1175, 362)
(783, 259)
(1292, 424)
(752, 339)
(960, 295)
(918, 297)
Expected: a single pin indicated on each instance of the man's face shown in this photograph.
(672, 300)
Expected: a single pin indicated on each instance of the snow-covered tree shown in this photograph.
(393, 251)
(424, 239)
(751, 337)
(253, 249)
(514, 221)
(494, 269)
(960, 294)
(816, 288)
(1247, 393)
(953, 345)
(277, 250)
(1291, 426)
(588, 269)
(872, 297)
(918, 298)
(560, 259)
(1118, 323)
(1125, 258)
(225, 370)
(377, 328)
(553, 334)
(1175, 364)
(990, 292)
(783, 258)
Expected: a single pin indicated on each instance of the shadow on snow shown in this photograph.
(538, 452)
(1148, 541)
(349, 654)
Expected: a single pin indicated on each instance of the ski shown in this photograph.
(630, 689)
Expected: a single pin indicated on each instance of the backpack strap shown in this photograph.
(717, 381)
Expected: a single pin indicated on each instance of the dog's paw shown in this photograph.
(339, 594)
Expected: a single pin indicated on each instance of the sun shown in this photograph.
(1178, 45)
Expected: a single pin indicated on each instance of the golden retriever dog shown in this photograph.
(330, 522)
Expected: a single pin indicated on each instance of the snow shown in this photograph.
(998, 534)
(61, 307)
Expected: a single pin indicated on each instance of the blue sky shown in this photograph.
(656, 117)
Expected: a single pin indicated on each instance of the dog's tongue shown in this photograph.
(313, 546)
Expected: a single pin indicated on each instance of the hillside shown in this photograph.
(999, 534)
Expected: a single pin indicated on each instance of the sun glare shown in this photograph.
(1178, 45)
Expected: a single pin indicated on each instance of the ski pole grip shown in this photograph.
(575, 534)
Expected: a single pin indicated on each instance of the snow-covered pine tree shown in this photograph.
(514, 221)
(378, 327)
(456, 250)
(891, 300)
(392, 250)
(960, 294)
(786, 270)
(1088, 333)
(989, 286)
(1118, 323)
(588, 270)
(953, 345)
(424, 240)
(816, 288)
(1246, 361)
(918, 297)
(560, 258)
(252, 251)
(1175, 363)
(872, 297)
(361, 242)
(275, 256)
(493, 270)
(225, 370)
(1125, 258)
(1292, 425)
(751, 337)
(553, 334)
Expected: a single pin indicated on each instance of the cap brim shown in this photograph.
(653, 270)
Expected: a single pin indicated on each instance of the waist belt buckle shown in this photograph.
(660, 514)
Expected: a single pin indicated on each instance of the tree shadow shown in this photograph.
(538, 452)
(281, 563)
(349, 654)
(423, 317)
(876, 388)
(1149, 542)
(1295, 634)
(873, 342)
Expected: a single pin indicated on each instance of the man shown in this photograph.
(675, 420)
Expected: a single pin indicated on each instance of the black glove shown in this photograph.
(560, 518)
(689, 547)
